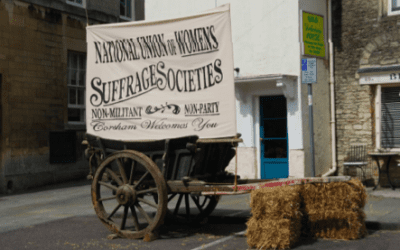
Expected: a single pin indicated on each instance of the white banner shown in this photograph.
(162, 79)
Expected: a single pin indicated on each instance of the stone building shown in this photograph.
(42, 85)
(367, 83)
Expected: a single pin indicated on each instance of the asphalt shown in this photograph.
(382, 209)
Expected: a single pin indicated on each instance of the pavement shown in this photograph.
(383, 209)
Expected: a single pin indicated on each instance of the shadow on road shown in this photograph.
(69, 184)
(88, 231)
(216, 225)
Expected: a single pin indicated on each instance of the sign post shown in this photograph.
(309, 76)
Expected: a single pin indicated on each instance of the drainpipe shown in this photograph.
(332, 87)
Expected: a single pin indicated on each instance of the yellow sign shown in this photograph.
(313, 34)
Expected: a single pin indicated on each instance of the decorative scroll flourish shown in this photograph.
(151, 110)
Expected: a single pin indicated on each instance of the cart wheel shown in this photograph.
(123, 206)
(195, 208)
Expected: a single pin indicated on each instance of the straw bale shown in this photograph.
(276, 203)
(275, 234)
(336, 224)
(349, 195)
(280, 215)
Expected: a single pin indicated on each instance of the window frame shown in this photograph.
(126, 18)
(77, 86)
(393, 11)
(83, 5)
(378, 113)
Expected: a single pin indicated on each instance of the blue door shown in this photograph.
(273, 137)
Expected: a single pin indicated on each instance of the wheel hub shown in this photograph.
(126, 195)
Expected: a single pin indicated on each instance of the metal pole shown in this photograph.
(311, 122)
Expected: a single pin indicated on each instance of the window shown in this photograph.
(390, 117)
(125, 9)
(394, 7)
(387, 114)
(80, 3)
(76, 87)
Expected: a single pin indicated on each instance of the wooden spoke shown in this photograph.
(114, 176)
(132, 171)
(196, 198)
(151, 190)
(141, 179)
(187, 205)
(178, 204)
(123, 222)
(108, 185)
(171, 197)
(149, 181)
(135, 219)
(204, 201)
(145, 215)
(122, 171)
(196, 201)
(114, 211)
(204, 207)
(108, 198)
(148, 202)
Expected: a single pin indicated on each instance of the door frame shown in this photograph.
(270, 85)
(256, 102)
(257, 127)
(278, 160)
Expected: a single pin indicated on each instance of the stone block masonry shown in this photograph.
(363, 37)
(33, 65)
(35, 39)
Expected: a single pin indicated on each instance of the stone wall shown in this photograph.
(363, 36)
(35, 38)
(34, 43)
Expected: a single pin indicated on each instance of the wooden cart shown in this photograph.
(136, 185)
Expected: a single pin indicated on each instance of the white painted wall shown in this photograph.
(265, 37)
(264, 32)
(165, 9)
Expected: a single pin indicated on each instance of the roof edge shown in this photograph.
(374, 69)
(269, 77)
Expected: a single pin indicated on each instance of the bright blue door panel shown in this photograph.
(274, 137)
(274, 170)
